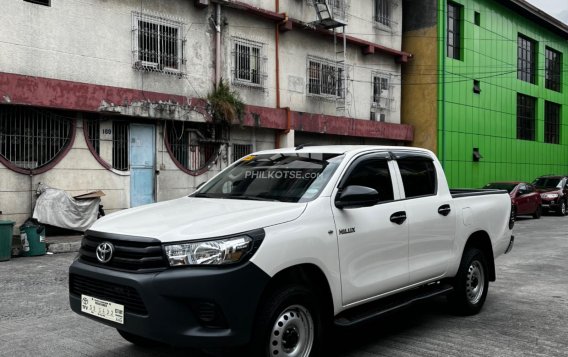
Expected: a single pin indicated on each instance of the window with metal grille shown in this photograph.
(325, 78)
(241, 150)
(553, 69)
(526, 117)
(381, 91)
(194, 146)
(157, 44)
(120, 146)
(32, 138)
(383, 13)
(526, 59)
(551, 123)
(249, 63)
(40, 2)
(454, 30)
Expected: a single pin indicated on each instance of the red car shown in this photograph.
(524, 197)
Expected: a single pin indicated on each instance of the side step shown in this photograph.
(383, 306)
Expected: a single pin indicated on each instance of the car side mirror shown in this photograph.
(356, 196)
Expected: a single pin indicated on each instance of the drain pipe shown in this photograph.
(217, 44)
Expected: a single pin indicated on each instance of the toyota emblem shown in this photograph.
(104, 252)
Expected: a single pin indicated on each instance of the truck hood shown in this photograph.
(191, 218)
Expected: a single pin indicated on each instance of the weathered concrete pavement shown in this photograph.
(526, 313)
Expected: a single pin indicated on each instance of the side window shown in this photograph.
(529, 188)
(373, 173)
(418, 177)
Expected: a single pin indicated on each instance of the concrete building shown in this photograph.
(487, 88)
(111, 95)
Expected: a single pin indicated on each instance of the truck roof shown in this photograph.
(339, 149)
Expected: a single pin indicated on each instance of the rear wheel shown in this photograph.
(289, 324)
(538, 212)
(471, 283)
(138, 340)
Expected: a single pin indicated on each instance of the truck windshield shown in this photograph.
(274, 177)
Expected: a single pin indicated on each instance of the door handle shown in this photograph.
(444, 210)
(398, 217)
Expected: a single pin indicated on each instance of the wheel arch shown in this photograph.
(307, 274)
(481, 241)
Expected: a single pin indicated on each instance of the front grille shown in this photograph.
(137, 256)
(124, 295)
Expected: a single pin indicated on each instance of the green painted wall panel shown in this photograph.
(488, 120)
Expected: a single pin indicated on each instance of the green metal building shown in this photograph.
(487, 89)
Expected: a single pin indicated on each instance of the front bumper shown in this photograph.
(551, 204)
(186, 307)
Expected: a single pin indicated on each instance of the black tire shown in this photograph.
(562, 208)
(471, 283)
(537, 213)
(289, 320)
(138, 340)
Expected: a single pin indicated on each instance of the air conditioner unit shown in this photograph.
(381, 103)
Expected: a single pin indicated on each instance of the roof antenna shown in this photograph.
(301, 146)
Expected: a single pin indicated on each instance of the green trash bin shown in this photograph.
(32, 236)
(6, 229)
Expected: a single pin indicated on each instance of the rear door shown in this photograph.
(431, 217)
(373, 248)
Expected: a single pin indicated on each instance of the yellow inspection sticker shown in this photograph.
(249, 158)
(104, 309)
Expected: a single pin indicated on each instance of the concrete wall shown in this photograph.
(90, 41)
(295, 47)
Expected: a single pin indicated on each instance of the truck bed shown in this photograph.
(467, 192)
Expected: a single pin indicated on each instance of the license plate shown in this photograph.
(104, 309)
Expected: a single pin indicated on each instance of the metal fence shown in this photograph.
(195, 145)
(120, 146)
(31, 138)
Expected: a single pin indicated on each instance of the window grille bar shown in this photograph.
(31, 138)
(120, 145)
(241, 150)
(157, 44)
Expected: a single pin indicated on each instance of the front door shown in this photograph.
(142, 146)
(373, 248)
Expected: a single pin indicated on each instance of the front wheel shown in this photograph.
(562, 208)
(538, 212)
(289, 324)
(471, 283)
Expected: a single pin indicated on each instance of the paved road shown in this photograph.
(526, 313)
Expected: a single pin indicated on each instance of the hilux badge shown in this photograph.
(347, 230)
(104, 252)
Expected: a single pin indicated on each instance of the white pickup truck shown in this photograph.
(284, 243)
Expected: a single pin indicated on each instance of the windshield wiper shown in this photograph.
(204, 195)
(251, 198)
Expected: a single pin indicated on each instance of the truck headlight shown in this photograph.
(209, 252)
(549, 195)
